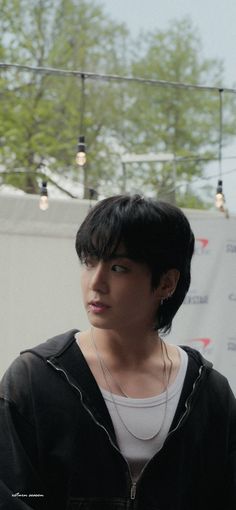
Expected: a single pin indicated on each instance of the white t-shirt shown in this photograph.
(144, 417)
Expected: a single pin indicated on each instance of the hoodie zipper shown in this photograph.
(179, 424)
(133, 484)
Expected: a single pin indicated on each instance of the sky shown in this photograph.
(215, 23)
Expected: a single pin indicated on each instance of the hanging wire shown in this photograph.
(219, 197)
(82, 104)
(112, 77)
(220, 130)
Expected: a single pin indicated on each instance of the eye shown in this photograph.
(119, 269)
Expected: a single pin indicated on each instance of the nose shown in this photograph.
(99, 278)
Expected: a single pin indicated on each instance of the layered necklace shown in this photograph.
(106, 372)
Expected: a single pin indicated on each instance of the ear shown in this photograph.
(168, 283)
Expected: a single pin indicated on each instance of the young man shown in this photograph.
(114, 418)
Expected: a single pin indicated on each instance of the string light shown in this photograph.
(219, 198)
(81, 153)
(43, 201)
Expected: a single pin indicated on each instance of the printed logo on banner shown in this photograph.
(231, 246)
(203, 345)
(232, 296)
(202, 246)
(194, 298)
(232, 343)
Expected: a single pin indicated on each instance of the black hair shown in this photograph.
(153, 232)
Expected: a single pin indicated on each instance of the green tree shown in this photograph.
(44, 113)
(180, 121)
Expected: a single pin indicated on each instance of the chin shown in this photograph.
(98, 322)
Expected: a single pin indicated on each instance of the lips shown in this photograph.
(97, 306)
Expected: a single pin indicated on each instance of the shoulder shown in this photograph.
(53, 346)
(214, 382)
(196, 357)
(30, 367)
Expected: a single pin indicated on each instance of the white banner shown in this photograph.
(207, 319)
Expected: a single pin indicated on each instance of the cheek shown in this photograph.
(146, 301)
(135, 296)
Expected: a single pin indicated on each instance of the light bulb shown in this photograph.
(219, 200)
(81, 152)
(43, 203)
(80, 158)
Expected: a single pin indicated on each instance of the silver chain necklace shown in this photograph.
(166, 377)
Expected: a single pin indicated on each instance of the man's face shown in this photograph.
(117, 293)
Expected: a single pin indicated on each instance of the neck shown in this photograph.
(129, 347)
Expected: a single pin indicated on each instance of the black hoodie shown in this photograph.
(58, 448)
